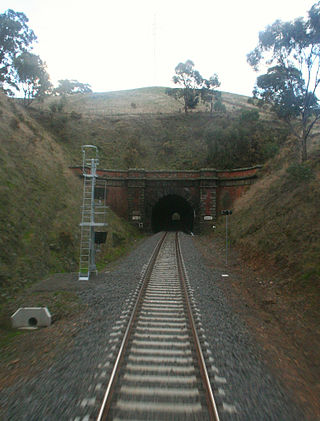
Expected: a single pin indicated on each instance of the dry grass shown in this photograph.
(40, 202)
(135, 102)
(277, 220)
(136, 128)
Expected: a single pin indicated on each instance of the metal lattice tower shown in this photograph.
(92, 215)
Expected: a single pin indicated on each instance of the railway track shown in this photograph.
(160, 372)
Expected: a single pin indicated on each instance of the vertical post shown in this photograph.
(227, 240)
(226, 213)
(105, 201)
(88, 218)
(93, 267)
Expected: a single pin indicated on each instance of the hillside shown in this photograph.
(40, 204)
(132, 102)
(40, 197)
(278, 219)
(145, 128)
(275, 232)
(274, 272)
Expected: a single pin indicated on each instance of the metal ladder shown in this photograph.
(88, 223)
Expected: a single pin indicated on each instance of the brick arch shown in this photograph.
(184, 192)
(155, 192)
(133, 193)
(168, 205)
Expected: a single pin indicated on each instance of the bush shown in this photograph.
(300, 172)
(270, 149)
(57, 105)
(219, 107)
(249, 116)
(58, 125)
(14, 123)
(75, 116)
(53, 107)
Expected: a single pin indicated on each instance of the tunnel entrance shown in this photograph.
(172, 213)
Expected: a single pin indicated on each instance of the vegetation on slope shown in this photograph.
(276, 222)
(159, 140)
(39, 145)
(39, 200)
(39, 210)
(40, 204)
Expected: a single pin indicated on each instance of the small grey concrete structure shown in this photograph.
(31, 317)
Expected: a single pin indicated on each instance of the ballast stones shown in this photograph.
(31, 317)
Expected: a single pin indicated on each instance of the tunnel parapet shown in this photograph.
(134, 193)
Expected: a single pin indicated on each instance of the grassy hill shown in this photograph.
(38, 211)
(152, 100)
(40, 204)
(274, 226)
(145, 128)
(276, 223)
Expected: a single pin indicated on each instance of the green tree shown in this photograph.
(70, 87)
(292, 50)
(242, 142)
(32, 77)
(15, 38)
(209, 94)
(191, 82)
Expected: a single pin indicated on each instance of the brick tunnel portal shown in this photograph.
(155, 200)
(171, 213)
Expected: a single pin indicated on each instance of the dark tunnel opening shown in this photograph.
(172, 213)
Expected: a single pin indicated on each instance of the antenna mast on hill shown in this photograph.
(90, 213)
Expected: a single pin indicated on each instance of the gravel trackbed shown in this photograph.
(68, 388)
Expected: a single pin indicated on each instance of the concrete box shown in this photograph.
(31, 317)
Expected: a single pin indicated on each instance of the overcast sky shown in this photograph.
(126, 44)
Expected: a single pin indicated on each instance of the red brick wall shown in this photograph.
(117, 200)
(237, 173)
(226, 196)
(208, 191)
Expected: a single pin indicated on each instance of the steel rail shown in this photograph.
(201, 361)
(104, 409)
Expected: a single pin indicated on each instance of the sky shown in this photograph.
(127, 44)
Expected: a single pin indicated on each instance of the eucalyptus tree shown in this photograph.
(31, 77)
(15, 38)
(292, 52)
(70, 87)
(190, 81)
(209, 94)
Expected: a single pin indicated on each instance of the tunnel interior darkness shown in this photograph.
(172, 213)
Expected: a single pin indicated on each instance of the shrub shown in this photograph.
(300, 172)
(53, 107)
(75, 116)
(219, 107)
(270, 149)
(14, 123)
(61, 104)
(58, 125)
(57, 105)
(249, 116)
